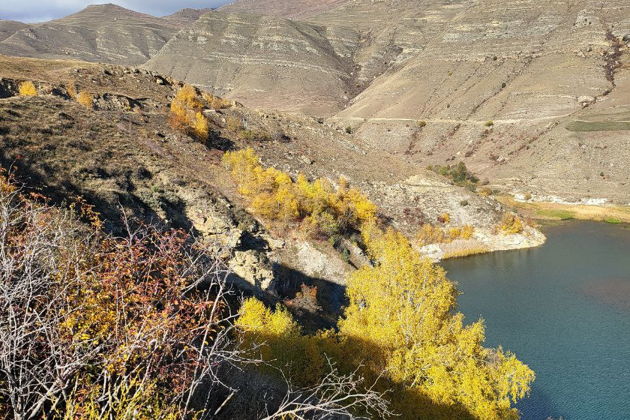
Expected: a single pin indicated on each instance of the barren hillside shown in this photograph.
(293, 9)
(105, 33)
(9, 27)
(266, 62)
(531, 95)
(186, 17)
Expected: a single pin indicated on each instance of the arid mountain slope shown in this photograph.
(9, 27)
(125, 158)
(186, 16)
(290, 9)
(529, 94)
(104, 33)
(264, 61)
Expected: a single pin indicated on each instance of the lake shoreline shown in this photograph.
(552, 210)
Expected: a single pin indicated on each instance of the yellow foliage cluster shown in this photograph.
(401, 318)
(86, 99)
(464, 232)
(321, 208)
(401, 325)
(215, 102)
(431, 234)
(27, 89)
(187, 113)
(511, 224)
(278, 339)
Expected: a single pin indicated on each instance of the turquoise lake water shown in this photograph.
(564, 309)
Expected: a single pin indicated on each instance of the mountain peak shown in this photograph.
(99, 14)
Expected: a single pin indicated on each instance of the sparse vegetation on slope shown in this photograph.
(187, 113)
(431, 234)
(86, 99)
(458, 174)
(511, 224)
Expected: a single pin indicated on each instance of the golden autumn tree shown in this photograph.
(282, 343)
(27, 89)
(320, 207)
(187, 115)
(401, 320)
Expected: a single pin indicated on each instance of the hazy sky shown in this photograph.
(42, 10)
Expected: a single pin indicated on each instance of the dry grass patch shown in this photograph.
(465, 251)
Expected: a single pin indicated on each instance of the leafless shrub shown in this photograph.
(336, 395)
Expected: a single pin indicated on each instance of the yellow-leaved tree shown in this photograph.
(401, 320)
(322, 208)
(277, 339)
(27, 89)
(187, 115)
(400, 327)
